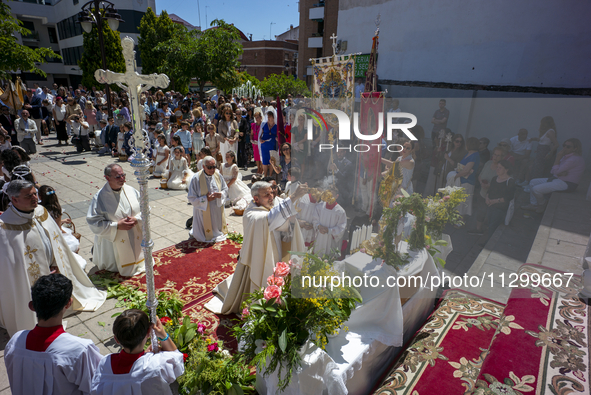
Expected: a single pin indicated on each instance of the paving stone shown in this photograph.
(81, 330)
(4, 383)
(101, 332)
(567, 248)
(563, 263)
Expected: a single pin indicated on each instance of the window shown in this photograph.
(28, 25)
(72, 55)
(52, 35)
(69, 27)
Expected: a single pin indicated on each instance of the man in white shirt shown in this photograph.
(521, 151)
(26, 129)
(215, 97)
(46, 359)
(80, 131)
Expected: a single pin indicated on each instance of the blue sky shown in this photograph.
(251, 16)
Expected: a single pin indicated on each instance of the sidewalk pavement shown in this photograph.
(559, 243)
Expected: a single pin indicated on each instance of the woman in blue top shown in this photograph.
(466, 174)
(268, 139)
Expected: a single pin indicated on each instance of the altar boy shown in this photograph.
(47, 360)
(330, 223)
(132, 371)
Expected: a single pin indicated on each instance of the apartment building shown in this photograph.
(54, 24)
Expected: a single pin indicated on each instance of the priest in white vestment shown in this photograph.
(330, 223)
(32, 246)
(266, 221)
(207, 193)
(114, 217)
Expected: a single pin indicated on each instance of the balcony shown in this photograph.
(33, 36)
(314, 42)
(317, 14)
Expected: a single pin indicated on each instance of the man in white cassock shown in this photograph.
(330, 223)
(31, 246)
(47, 359)
(266, 221)
(114, 217)
(207, 193)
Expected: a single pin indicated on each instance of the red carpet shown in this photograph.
(193, 269)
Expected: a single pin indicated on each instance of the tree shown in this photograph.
(281, 85)
(91, 56)
(153, 31)
(15, 56)
(209, 56)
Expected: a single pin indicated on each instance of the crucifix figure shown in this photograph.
(334, 44)
(134, 84)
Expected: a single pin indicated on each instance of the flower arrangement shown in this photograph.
(431, 216)
(280, 318)
(209, 367)
(440, 210)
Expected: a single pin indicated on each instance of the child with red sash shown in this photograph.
(48, 360)
(133, 371)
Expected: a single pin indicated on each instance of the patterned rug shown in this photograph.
(446, 354)
(548, 351)
(193, 269)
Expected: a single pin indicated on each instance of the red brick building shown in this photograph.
(318, 21)
(262, 58)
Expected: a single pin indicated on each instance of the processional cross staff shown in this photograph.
(134, 84)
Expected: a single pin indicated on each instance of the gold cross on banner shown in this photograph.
(123, 241)
(134, 83)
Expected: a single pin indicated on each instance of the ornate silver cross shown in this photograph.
(134, 83)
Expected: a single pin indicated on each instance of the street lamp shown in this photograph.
(95, 12)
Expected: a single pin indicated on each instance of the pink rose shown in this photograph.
(213, 347)
(446, 198)
(428, 246)
(274, 280)
(272, 292)
(245, 312)
(362, 250)
(281, 269)
(200, 328)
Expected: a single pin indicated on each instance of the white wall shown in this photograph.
(542, 43)
(499, 115)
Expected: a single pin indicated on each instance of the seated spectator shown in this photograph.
(484, 153)
(489, 170)
(465, 176)
(498, 196)
(505, 144)
(133, 371)
(521, 151)
(565, 175)
(47, 357)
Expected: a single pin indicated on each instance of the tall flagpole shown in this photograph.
(135, 83)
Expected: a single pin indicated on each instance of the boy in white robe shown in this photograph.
(48, 360)
(133, 371)
(330, 223)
